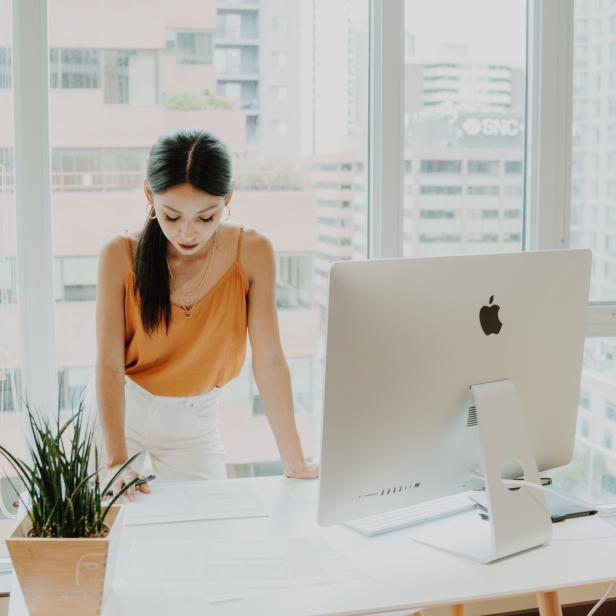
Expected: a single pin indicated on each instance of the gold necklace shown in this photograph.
(187, 297)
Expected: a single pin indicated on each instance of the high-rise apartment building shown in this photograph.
(237, 62)
(115, 87)
(593, 220)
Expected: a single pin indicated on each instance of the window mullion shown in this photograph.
(549, 103)
(33, 201)
(386, 143)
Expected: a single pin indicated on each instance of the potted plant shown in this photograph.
(63, 548)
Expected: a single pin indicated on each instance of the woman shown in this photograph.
(174, 304)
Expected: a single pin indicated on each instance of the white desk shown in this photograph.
(400, 573)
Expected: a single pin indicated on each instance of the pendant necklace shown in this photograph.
(187, 298)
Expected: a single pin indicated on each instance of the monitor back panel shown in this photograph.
(405, 342)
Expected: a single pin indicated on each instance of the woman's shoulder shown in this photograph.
(255, 247)
(119, 252)
(252, 238)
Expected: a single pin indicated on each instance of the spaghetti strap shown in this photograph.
(239, 243)
(129, 247)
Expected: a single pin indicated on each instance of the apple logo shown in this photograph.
(488, 317)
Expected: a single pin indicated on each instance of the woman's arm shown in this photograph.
(269, 365)
(113, 265)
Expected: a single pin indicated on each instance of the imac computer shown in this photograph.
(442, 369)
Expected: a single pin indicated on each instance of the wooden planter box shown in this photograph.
(65, 576)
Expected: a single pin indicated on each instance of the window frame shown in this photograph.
(33, 202)
(548, 159)
(547, 180)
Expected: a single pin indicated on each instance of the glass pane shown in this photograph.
(11, 427)
(593, 171)
(464, 126)
(592, 473)
(284, 84)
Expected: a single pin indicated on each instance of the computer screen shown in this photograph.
(408, 337)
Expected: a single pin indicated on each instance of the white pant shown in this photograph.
(180, 435)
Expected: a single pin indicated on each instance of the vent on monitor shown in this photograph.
(402, 488)
(472, 417)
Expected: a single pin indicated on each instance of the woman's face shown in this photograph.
(187, 216)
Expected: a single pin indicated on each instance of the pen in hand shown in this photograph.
(139, 482)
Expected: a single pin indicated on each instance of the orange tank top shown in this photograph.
(197, 354)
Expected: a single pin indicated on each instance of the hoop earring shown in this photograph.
(228, 212)
(150, 210)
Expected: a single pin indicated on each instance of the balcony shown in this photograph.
(231, 39)
(98, 181)
(238, 5)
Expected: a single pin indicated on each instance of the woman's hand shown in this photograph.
(307, 471)
(128, 474)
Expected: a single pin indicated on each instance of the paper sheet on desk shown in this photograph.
(207, 501)
(225, 570)
(304, 494)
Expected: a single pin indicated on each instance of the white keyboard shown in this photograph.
(410, 516)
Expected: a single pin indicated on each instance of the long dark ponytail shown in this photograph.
(194, 157)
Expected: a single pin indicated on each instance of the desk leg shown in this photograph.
(549, 605)
(457, 609)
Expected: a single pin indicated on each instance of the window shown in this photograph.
(293, 281)
(513, 191)
(210, 69)
(482, 190)
(5, 68)
(470, 110)
(74, 68)
(595, 199)
(513, 167)
(608, 441)
(333, 204)
(427, 238)
(94, 169)
(441, 166)
(76, 279)
(340, 223)
(130, 77)
(592, 472)
(438, 214)
(192, 47)
(236, 60)
(229, 25)
(243, 94)
(8, 280)
(484, 214)
(334, 241)
(440, 190)
(483, 238)
(483, 167)
(11, 418)
(465, 129)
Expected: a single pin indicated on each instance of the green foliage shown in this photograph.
(191, 101)
(66, 498)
